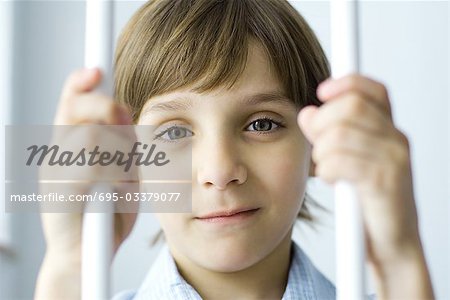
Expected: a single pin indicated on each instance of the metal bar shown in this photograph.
(97, 233)
(350, 250)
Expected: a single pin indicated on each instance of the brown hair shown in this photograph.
(170, 44)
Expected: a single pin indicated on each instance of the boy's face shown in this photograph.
(248, 153)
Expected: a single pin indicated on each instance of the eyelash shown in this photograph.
(167, 130)
(279, 125)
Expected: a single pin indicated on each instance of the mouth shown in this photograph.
(229, 215)
(226, 213)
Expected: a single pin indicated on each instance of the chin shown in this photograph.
(231, 257)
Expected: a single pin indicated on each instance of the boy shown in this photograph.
(229, 78)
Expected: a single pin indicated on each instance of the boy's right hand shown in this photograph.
(59, 276)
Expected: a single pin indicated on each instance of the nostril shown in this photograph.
(220, 176)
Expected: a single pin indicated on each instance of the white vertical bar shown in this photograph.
(6, 94)
(97, 233)
(99, 40)
(350, 250)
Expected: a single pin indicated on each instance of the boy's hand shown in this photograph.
(354, 139)
(61, 269)
(79, 104)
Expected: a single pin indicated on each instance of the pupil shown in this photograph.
(176, 133)
(264, 125)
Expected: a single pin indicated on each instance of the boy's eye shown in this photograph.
(174, 133)
(263, 124)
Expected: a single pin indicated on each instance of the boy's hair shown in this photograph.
(170, 44)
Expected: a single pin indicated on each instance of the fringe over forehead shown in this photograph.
(170, 44)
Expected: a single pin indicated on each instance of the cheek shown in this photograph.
(284, 174)
(288, 179)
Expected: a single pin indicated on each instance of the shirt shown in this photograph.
(164, 282)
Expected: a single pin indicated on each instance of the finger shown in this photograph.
(343, 165)
(95, 109)
(375, 91)
(304, 120)
(101, 110)
(81, 81)
(350, 139)
(350, 108)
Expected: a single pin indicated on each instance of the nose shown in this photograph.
(219, 165)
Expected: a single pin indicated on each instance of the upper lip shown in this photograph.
(225, 213)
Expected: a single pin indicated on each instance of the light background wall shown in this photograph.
(403, 44)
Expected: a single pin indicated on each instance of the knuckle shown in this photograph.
(383, 91)
(399, 154)
(402, 155)
(353, 81)
(339, 134)
(403, 139)
(356, 105)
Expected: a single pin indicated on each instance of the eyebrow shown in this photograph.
(177, 104)
(185, 103)
(271, 97)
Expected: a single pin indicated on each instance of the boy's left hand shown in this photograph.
(354, 139)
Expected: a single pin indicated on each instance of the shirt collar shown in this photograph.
(165, 282)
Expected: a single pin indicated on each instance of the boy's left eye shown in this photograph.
(264, 124)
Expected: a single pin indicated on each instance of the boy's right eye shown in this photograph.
(173, 133)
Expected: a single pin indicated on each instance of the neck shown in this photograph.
(266, 279)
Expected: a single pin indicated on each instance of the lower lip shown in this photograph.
(236, 218)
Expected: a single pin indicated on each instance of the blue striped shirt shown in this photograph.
(164, 282)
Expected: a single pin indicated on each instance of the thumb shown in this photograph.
(305, 119)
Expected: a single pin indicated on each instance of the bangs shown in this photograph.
(203, 44)
(205, 50)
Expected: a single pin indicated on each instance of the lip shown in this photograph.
(226, 218)
(227, 213)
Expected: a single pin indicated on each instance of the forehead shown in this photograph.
(259, 74)
(258, 81)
